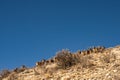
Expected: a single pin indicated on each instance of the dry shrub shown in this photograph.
(67, 59)
(12, 77)
(86, 61)
(64, 58)
(108, 58)
(4, 73)
(18, 70)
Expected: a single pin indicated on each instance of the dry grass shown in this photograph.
(4, 73)
(64, 59)
(67, 59)
(92, 64)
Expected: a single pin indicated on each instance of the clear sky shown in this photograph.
(31, 30)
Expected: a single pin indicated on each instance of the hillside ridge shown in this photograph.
(95, 63)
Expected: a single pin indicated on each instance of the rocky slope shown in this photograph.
(97, 63)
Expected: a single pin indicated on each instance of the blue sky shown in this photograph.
(31, 30)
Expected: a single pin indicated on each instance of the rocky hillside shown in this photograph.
(96, 63)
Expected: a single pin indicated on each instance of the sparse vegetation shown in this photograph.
(4, 73)
(64, 58)
(95, 63)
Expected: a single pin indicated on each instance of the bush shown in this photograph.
(4, 73)
(64, 58)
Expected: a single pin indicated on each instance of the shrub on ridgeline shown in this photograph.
(64, 58)
(4, 73)
(18, 70)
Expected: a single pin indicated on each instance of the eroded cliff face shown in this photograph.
(97, 63)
